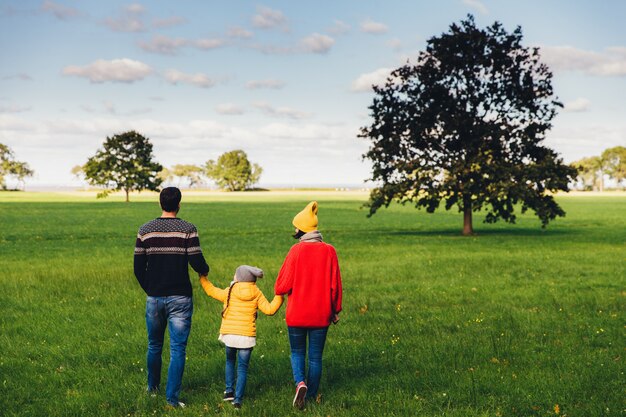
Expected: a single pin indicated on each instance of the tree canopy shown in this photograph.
(126, 163)
(233, 171)
(9, 167)
(465, 125)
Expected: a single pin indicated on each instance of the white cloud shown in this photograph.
(476, 5)
(609, 63)
(577, 141)
(376, 28)
(339, 28)
(276, 50)
(365, 81)
(117, 70)
(259, 84)
(267, 18)
(331, 147)
(238, 32)
(14, 108)
(59, 11)
(394, 43)
(168, 22)
(208, 43)
(317, 43)
(135, 8)
(281, 112)
(163, 45)
(171, 46)
(199, 80)
(21, 76)
(578, 105)
(229, 109)
(129, 20)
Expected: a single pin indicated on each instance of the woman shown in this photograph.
(310, 277)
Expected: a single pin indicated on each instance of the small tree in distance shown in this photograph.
(615, 162)
(590, 172)
(233, 171)
(191, 173)
(465, 125)
(10, 167)
(126, 163)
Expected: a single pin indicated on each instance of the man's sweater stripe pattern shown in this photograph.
(163, 248)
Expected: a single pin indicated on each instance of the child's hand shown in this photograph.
(335, 318)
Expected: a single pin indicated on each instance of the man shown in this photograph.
(163, 248)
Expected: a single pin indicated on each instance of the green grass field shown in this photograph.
(514, 321)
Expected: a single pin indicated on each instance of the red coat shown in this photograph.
(310, 277)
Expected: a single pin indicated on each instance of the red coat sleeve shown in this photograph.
(284, 281)
(335, 285)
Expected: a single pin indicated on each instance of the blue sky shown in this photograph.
(286, 81)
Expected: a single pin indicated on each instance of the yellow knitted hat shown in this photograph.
(306, 220)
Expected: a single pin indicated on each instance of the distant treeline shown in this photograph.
(593, 170)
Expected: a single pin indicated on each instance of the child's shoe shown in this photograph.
(298, 400)
(229, 395)
(237, 405)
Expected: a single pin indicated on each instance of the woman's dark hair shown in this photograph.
(298, 234)
(170, 199)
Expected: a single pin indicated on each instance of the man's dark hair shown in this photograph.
(170, 199)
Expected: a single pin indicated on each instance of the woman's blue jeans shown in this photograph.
(175, 312)
(297, 341)
(242, 357)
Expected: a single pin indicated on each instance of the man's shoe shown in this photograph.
(298, 399)
(229, 395)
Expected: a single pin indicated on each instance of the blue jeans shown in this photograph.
(161, 311)
(297, 341)
(243, 356)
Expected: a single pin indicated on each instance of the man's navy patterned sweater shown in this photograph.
(163, 248)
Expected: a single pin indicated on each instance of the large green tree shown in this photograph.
(233, 171)
(9, 167)
(126, 163)
(465, 125)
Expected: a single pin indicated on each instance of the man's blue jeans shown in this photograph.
(242, 357)
(174, 311)
(297, 340)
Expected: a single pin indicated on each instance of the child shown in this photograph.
(238, 331)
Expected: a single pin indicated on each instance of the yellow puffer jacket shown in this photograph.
(245, 298)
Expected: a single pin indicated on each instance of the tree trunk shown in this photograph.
(127, 200)
(601, 181)
(468, 230)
